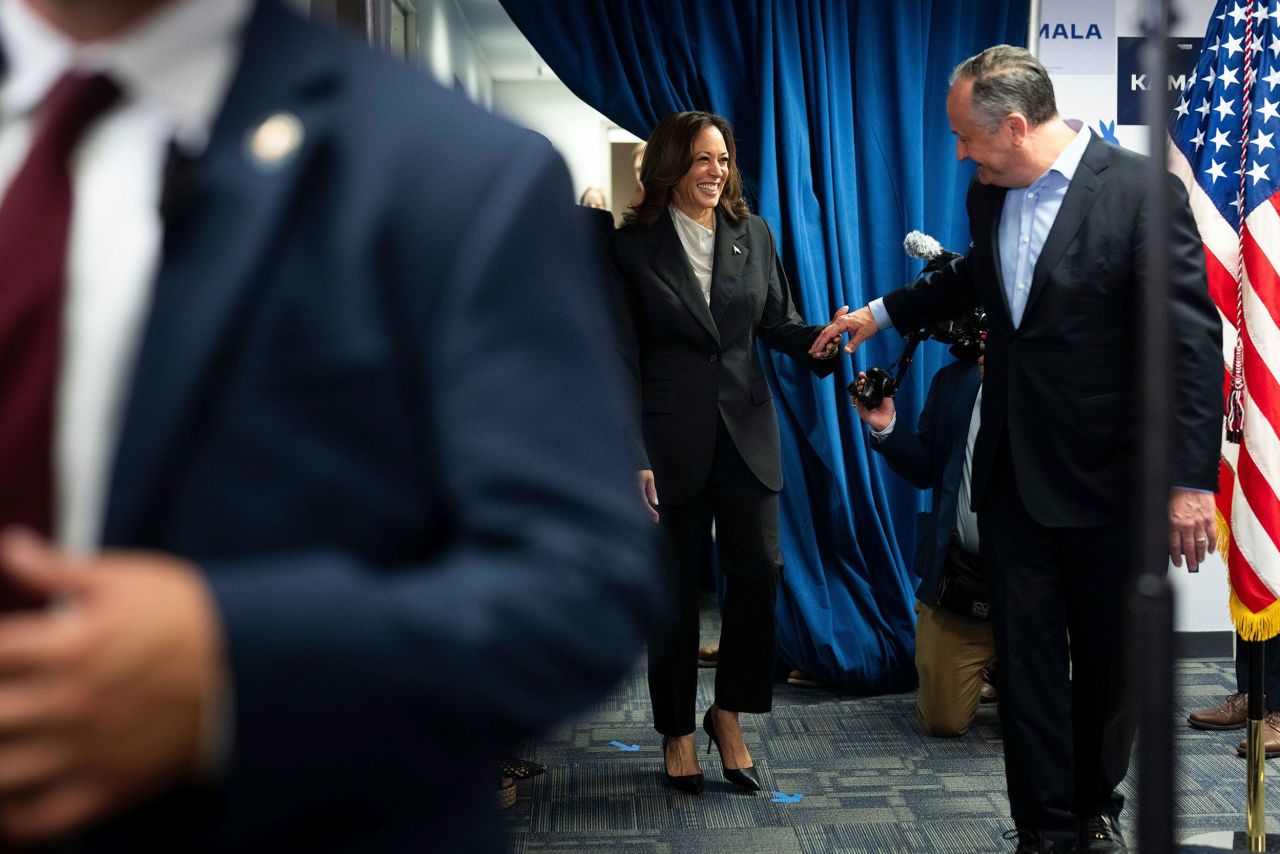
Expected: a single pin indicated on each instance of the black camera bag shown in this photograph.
(964, 588)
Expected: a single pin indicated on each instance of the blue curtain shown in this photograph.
(843, 143)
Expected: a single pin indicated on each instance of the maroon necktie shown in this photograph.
(35, 217)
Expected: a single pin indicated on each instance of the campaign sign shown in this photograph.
(1132, 79)
(1079, 34)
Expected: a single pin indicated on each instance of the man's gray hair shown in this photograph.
(1008, 79)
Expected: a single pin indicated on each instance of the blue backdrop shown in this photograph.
(843, 143)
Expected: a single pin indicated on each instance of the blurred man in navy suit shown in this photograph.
(328, 503)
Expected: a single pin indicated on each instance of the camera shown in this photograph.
(878, 385)
(966, 333)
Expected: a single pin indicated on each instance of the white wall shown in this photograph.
(449, 52)
(579, 133)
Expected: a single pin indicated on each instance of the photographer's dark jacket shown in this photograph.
(1062, 385)
(932, 457)
(694, 363)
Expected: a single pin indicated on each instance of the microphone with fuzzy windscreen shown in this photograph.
(920, 245)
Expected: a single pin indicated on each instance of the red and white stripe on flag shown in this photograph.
(1221, 146)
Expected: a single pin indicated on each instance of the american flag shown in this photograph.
(1224, 138)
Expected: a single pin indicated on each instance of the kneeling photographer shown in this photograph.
(955, 648)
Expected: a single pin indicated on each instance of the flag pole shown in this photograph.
(1152, 601)
(1033, 27)
(1255, 837)
(1255, 817)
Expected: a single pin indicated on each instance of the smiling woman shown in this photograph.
(687, 149)
(700, 284)
(698, 192)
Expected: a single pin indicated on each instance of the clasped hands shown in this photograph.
(103, 690)
(858, 325)
(828, 340)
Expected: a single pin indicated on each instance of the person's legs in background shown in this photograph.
(1271, 689)
(1233, 711)
(952, 651)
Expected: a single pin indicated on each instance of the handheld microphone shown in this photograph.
(920, 245)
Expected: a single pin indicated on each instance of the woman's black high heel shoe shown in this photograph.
(691, 783)
(742, 777)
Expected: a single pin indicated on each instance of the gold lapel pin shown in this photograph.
(273, 142)
(736, 250)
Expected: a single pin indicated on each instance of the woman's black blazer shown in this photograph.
(694, 363)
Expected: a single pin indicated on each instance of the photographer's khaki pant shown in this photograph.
(951, 651)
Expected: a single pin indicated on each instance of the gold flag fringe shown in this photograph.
(1261, 626)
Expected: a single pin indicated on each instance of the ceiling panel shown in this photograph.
(509, 54)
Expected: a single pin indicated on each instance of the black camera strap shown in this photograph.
(908, 353)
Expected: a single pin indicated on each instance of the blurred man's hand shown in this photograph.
(648, 492)
(1192, 531)
(878, 418)
(102, 694)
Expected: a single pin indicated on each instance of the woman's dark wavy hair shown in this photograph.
(668, 157)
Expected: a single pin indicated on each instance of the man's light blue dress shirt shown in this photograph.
(1025, 220)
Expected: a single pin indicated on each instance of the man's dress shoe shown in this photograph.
(1270, 737)
(1100, 834)
(1231, 713)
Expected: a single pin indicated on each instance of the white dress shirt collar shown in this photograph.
(179, 58)
(1069, 159)
(699, 244)
(690, 225)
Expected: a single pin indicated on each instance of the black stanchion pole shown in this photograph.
(1152, 605)
(1153, 612)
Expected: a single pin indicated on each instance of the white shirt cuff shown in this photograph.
(880, 435)
(880, 313)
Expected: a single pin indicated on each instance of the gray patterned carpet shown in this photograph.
(869, 780)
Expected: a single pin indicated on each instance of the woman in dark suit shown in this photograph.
(699, 284)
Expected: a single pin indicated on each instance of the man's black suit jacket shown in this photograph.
(693, 363)
(932, 457)
(1062, 385)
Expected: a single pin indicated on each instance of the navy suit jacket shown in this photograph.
(373, 405)
(933, 458)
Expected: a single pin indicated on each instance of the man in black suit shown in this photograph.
(954, 649)
(1057, 219)
(355, 538)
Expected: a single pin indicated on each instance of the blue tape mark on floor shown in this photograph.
(627, 747)
(784, 798)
